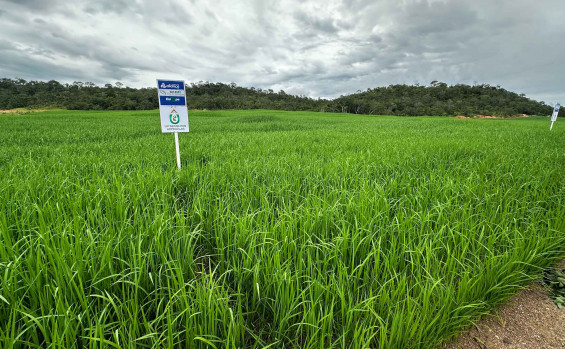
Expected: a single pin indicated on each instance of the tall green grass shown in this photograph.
(282, 230)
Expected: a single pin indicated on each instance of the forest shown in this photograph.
(437, 98)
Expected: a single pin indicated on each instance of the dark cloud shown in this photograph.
(20, 64)
(323, 48)
(424, 18)
(36, 5)
(310, 21)
(112, 6)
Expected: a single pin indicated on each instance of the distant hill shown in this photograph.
(436, 99)
(441, 99)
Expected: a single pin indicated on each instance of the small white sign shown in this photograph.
(174, 118)
(555, 112)
(172, 106)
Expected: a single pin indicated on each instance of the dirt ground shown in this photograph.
(530, 320)
(20, 111)
(492, 117)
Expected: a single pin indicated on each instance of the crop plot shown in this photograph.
(283, 229)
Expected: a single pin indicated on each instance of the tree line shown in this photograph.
(411, 100)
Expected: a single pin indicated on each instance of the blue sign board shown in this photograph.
(165, 100)
(171, 92)
(170, 85)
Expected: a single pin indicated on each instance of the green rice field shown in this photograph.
(282, 229)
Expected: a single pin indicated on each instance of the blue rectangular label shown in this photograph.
(166, 100)
(170, 84)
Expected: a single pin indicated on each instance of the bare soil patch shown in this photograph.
(529, 320)
(492, 117)
(21, 111)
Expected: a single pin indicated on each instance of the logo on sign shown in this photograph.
(163, 85)
(174, 117)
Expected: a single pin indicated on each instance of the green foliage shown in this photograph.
(436, 99)
(555, 279)
(87, 96)
(288, 230)
(440, 99)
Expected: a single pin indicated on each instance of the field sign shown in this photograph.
(172, 106)
(554, 115)
(173, 110)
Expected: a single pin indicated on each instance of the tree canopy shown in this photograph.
(411, 100)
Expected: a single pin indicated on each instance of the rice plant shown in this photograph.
(282, 230)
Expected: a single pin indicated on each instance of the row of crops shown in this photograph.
(282, 230)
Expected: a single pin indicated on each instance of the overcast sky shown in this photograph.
(316, 48)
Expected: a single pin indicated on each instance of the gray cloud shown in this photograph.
(320, 48)
(310, 21)
(122, 7)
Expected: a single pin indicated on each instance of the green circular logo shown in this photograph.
(174, 117)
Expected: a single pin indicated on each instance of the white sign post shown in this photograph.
(554, 115)
(173, 110)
